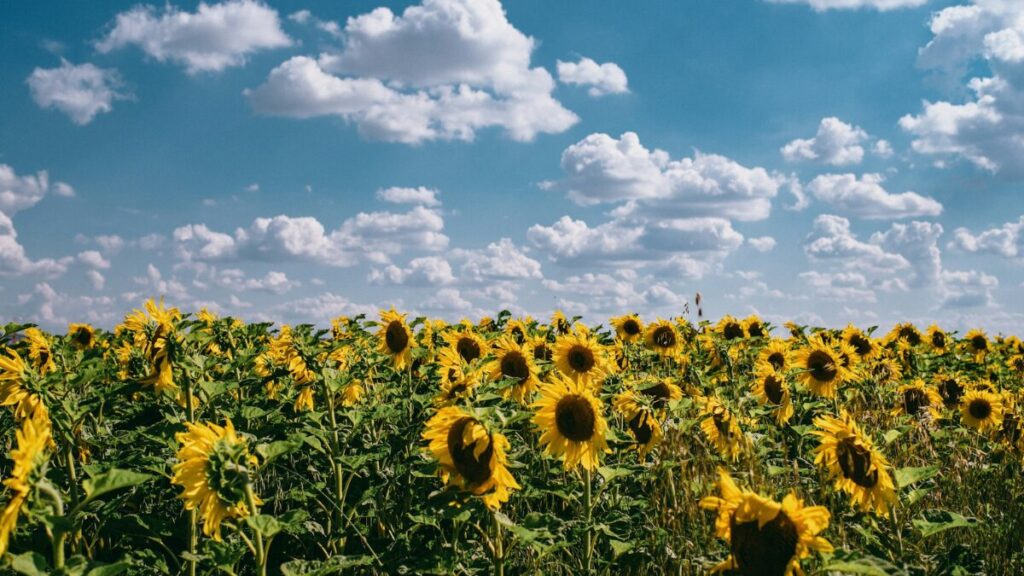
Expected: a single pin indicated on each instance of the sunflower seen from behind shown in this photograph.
(855, 465)
(31, 441)
(15, 393)
(571, 421)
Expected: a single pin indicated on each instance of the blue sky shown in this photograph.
(830, 161)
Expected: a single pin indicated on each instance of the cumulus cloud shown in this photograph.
(442, 70)
(501, 260)
(81, 91)
(1006, 240)
(832, 239)
(214, 37)
(865, 197)
(425, 271)
(762, 244)
(20, 192)
(420, 195)
(602, 79)
(967, 289)
(94, 260)
(839, 286)
(15, 262)
(881, 5)
(836, 143)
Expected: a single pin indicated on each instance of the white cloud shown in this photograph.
(602, 169)
(96, 279)
(93, 259)
(762, 244)
(20, 192)
(14, 261)
(832, 240)
(447, 301)
(918, 243)
(420, 195)
(214, 37)
(866, 198)
(273, 281)
(81, 91)
(443, 69)
(602, 79)
(840, 286)
(424, 271)
(501, 260)
(320, 308)
(156, 285)
(968, 289)
(1006, 240)
(881, 5)
(836, 143)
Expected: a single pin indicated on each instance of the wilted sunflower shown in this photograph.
(469, 345)
(821, 369)
(214, 468)
(304, 401)
(721, 429)
(39, 353)
(472, 458)
(937, 339)
(981, 409)
(977, 343)
(515, 362)
(857, 467)
(776, 354)
(579, 356)
(765, 537)
(950, 389)
(628, 328)
(395, 338)
(32, 439)
(13, 391)
(904, 334)
(754, 326)
(886, 371)
(917, 399)
(81, 336)
(863, 344)
(352, 393)
(770, 387)
(641, 421)
(571, 422)
(662, 337)
(730, 328)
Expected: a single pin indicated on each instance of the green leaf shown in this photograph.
(610, 473)
(907, 476)
(111, 480)
(30, 564)
(108, 569)
(274, 450)
(264, 524)
(891, 435)
(942, 520)
(619, 548)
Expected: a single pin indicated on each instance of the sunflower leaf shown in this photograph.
(911, 475)
(30, 564)
(941, 520)
(111, 480)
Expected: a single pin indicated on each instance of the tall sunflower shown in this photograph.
(579, 356)
(13, 390)
(471, 458)
(981, 409)
(771, 389)
(82, 336)
(821, 369)
(395, 338)
(662, 337)
(754, 326)
(628, 328)
(515, 362)
(853, 462)
(904, 334)
(572, 422)
(938, 339)
(214, 468)
(765, 537)
(730, 328)
(722, 429)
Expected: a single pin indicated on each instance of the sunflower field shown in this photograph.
(190, 444)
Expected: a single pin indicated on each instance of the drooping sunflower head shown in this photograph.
(81, 336)
(628, 328)
(853, 462)
(863, 344)
(662, 337)
(579, 356)
(458, 380)
(730, 328)
(467, 344)
(641, 421)
(514, 362)
(981, 409)
(214, 468)
(395, 338)
(977, 343)
(39, 352)
(917, 399)
(540, 348)
(771, 389)
(776, 354)
(950, 387)
(722, 429)
(796, 331)
(755, 327)
(571, 421)
(31, 439)
(559, 323)
(471, 457)
(1015, 364)
(886, 371)
(821, 369)
(765, 537)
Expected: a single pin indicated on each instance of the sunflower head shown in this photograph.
(863, 344)
(755, 327)
(918, 399)
(559, 323)
(853, 462)
(513, 361)
(776, 354)
(628, 328)
(641, 421)
(467, 344)
(517, 330)
(39, 352)
(662, 337)
(904, 335)
(821, 368)
(981, 409)
(771, 389)
(721, 428)
(571, 421)
(937, 338)
(395, 338)
(579, 356)
(730, 328)
(81, 336)
(977, 343)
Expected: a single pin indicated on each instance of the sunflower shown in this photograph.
(863, 344)
(721, 429)
(950, 389)
(981, 409)
(796, 331)
(754, 326)
(770, 387)
(13, 391)
(352, 393)
(469, 345)
(977, 343)
(660, 393)
(904, 334)
(571, 422)
(730, 328)
(917, 399)
(1016, 364)
(458, 380)
(776, 354)
(559, 323)
(395, 338)
(886, 371)
(628, 328)
(579, 356)
(32, 439)
(82, 336)
(641, 421)
(662, 337)
(304, 401)
(822, 370)
(765, 537)
(518, 330)
(857, 467)
(937, 339)
(540, 348)
(213, 469)
(471, 457)
(39, 352)
(515, 362)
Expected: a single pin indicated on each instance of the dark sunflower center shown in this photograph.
(575, 418)
(82, 337)
(721, 420)
(1011, 428)
(473, 469)
(773, 389)
(951, 391)
(468, 348)
(939, 340)
(581, 358)
(659, 394)
(395, 337)
(777, 360)
(664, 337)
(755, 330)
(640, 425)
(513, 365)
(732, 330)
(855, 463)
(821, 366)
(542, 352)
(631, 327)
(518, 335)
(979, 343)
(861, 344)
(914, 400)
(980, 408)
(911, 335)
(1018, 364)
(764, 551)
(44, 357)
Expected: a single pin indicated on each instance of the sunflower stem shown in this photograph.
(261, 556)
(499, 548)
(58, 535)
(588, 504)
(193, 514)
